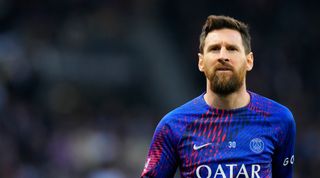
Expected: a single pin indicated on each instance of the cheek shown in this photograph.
(239, 63)
(242, 68)
(209, 70)
(208, 67)
(209, 61)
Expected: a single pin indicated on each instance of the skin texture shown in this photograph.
(225, 64)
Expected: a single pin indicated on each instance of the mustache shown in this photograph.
(223, 66)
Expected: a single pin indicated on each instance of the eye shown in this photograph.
(232, 48)
(214, 48)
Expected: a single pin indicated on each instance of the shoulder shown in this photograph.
(172, 125)
(176, 120)
(274, 109)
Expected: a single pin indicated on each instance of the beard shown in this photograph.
(223, 83)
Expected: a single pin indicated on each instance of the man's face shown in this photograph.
(224, 61)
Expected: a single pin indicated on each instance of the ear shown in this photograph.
(200, 62)
(249, 61)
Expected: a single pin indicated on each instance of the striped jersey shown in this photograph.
(204, 142)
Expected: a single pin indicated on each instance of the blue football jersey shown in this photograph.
(204, 142)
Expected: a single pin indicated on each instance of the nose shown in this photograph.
(223, 56)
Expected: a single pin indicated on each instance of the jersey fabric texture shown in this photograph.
(203, 142)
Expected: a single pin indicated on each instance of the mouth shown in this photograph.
(224, 68)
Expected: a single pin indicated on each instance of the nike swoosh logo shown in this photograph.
(195, 147)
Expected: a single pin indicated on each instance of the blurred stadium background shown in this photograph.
(83, 83)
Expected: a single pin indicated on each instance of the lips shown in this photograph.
(224, 68)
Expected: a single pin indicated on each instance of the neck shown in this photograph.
(235, 100)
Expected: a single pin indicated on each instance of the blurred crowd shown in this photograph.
(83, 83)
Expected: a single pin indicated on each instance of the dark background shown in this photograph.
(83, 83)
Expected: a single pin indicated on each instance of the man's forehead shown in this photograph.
(227, 36)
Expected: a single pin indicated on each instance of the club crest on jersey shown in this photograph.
(256, 145)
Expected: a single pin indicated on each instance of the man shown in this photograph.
(227, 131)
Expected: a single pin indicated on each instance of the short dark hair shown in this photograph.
(215, 22)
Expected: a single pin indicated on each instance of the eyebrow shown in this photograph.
(219, 45)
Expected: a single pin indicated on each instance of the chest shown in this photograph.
(227, 141)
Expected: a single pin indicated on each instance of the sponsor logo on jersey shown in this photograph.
(256, 145)
(204, 171)
(287, 161)
(198, 147)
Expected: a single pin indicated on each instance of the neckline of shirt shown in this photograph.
(235, 110)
